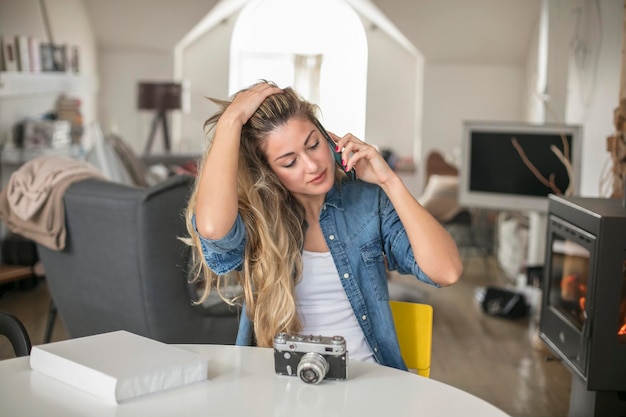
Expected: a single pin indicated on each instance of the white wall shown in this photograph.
(454, 93)
(121, 70)
(21, 17)
(205, 67)
(593, 87)
(393, 113)
(533, 105)
(559, 34)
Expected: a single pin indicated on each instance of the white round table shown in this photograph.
(242, 382)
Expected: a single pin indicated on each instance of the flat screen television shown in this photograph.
(515, 165)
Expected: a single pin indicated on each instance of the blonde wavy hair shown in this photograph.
(274, 223)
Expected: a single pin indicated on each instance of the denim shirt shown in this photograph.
(361, 229)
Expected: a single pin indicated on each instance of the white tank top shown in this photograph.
(323, 305)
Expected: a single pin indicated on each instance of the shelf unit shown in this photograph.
(19, 84)
(23, 94)
(17, 156)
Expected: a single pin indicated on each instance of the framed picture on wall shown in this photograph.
(74, 61)
(58, 57)
(47, 60)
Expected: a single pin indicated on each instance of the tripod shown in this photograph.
(159, 118)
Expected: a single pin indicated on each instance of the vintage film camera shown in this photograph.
(312, 358)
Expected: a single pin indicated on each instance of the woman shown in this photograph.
(309, 247)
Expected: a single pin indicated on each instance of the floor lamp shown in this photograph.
(160, 97)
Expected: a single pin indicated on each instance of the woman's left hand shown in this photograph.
(369, 164)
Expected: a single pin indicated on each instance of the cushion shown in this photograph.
(105, 158)
(131, 161)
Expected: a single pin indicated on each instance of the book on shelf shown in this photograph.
(23, 53)
(119, 365)
(46, 134)
(9, 53)
(34, 53)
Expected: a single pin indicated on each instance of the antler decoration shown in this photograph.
(563, 156)
(616, 145)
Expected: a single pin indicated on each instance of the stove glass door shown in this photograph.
(568, 281)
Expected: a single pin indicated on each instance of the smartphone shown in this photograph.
(352, 173)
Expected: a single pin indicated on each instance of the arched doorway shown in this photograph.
(384, 107)
(317, 46)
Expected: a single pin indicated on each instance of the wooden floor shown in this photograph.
(499, 360)
(490, 357)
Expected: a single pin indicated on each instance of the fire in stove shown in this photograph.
(574, 294)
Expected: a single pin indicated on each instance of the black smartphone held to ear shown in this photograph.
(333, 146)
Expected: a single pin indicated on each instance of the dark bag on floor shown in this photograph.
(503, 303)
(18, 250)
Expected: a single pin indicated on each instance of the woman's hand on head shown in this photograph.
(246, 102)
(369, 164)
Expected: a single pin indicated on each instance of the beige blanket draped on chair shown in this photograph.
(32, 202)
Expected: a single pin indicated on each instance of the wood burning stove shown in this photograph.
(583, 315)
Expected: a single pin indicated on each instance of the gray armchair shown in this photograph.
(123, 266)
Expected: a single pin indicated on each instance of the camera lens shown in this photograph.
(312, 368)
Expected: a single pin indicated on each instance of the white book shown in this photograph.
(23, 53)
(119, 365)
(35, 54)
